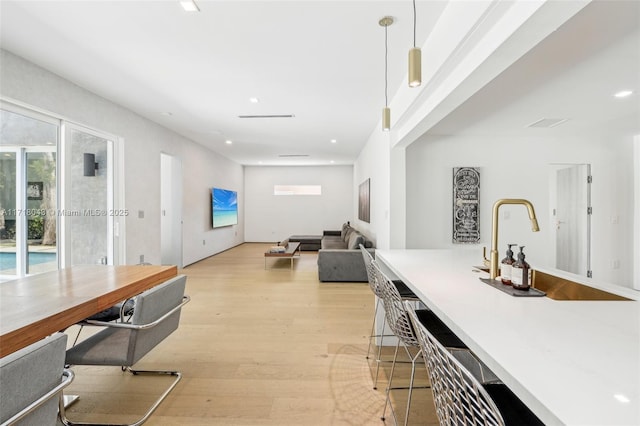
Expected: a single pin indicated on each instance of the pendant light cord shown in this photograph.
(386, 102)
(414, 23)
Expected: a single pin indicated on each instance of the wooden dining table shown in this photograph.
(36, 306)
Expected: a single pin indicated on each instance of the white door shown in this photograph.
(572, 219)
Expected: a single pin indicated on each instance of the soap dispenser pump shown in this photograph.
(506, 264)
(520, 272)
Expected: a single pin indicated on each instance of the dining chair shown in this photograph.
(155, 317)
(30, 381)
(398, 320)
(460, 396)
(376, 288)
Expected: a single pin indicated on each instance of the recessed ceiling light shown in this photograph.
(228, 142)
(623, 93)
(333, 141)
(332, 162)
(189, 6)
(254, 100)
(621, 398)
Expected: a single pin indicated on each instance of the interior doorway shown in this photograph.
(571, 201)
(171, 210)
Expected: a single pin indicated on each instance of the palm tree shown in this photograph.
(43, 169)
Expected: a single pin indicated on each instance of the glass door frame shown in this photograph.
(114, 222)
(116, 229)
(22, 244)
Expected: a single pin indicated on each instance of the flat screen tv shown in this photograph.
(224, 207)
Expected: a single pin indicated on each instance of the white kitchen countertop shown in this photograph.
(571, 362)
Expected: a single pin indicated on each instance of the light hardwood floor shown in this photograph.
(257, 347)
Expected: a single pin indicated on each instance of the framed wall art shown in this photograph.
(466, 205)
(364, 201)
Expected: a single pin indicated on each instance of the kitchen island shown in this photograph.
(570, 362)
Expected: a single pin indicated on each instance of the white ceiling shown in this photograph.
(322, 61)
(571, 75)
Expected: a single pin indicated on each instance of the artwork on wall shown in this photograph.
(466, 205)
(363, 201)
(224, 207)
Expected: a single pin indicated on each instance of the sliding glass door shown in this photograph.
(28, 194)
(56, 194)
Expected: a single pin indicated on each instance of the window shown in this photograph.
(297, 190)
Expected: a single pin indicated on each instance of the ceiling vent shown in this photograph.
(547, 123)
(292, 155)
(268, 116)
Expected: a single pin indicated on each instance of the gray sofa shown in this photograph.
(340, 258)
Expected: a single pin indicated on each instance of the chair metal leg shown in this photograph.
(373, 326)
(413, 372)
(140, 421)
(393, 366)
(413, 359)
(381, 336)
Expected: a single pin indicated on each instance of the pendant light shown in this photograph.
(415, 57)
(386, 112)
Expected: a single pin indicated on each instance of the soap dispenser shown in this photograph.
(520, 272)
(505, 266)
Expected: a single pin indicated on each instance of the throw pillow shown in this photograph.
(355, 240)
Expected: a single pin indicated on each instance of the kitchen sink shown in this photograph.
(562, 289)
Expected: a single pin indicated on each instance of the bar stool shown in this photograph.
(459, 396)
(398, 320)
(376, 288)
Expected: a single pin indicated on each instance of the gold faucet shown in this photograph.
(493, 261)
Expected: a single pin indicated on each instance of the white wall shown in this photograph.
(144, 140)
(518, 168)
(270, 218)
(373, 163)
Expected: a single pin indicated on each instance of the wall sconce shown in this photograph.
(90, 165)
(386, 111)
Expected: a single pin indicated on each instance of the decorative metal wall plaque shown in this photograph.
(466, 205)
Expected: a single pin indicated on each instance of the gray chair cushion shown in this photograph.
(125, 347)
(28, 374)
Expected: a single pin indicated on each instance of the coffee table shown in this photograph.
(290, 252)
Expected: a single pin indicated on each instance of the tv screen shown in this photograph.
(224, 206)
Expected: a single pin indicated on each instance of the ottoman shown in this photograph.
(307, 242)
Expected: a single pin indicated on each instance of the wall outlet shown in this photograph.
(141, 259)
(615, 264)
(140, 214)
(204, 242)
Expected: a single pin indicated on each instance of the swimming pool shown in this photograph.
(8, 259)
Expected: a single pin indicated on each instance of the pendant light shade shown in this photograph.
(415, 67)
(415, 57)
(386, 111)
(386, 119)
